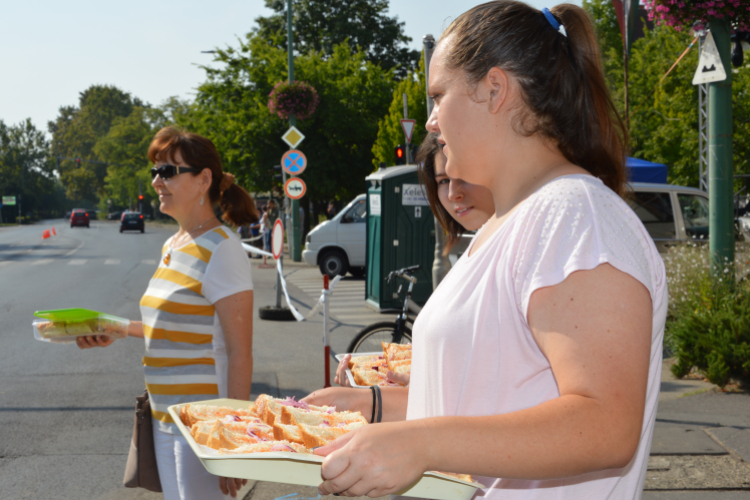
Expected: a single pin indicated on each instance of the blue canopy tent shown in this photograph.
(645, 171)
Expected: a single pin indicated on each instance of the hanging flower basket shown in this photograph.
(681, 14)
(297, 98)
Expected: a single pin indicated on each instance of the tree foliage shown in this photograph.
(75, 133)
(231, 109)
(27, 172)
(390, 133)
(320, 26)
(664, 114)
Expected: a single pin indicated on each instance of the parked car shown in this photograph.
(114, 215)
(671, 214)
(338, 246)
(132, 221)
(79, 217)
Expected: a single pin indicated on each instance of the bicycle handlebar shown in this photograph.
(405, 272)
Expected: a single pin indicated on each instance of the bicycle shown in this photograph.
(396, 332)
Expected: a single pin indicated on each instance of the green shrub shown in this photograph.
(708, 326)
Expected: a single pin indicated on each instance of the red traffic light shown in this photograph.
(400, 154)
(140, 197)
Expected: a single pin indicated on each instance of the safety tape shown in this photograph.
(254, 238)
(297, 315)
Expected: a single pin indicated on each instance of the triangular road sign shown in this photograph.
(710, 68)
(408, 126)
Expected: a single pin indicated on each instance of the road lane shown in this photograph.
(65, 412)
(66, 415)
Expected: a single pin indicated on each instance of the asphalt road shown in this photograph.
(66, 415)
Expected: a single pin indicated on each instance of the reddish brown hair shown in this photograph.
(236, 204)
(429, 148)
(561, 79)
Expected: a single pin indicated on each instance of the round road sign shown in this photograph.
(295, 188)
(277, 239)
(294, 162)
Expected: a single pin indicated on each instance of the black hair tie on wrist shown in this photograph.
(380, 404)
(372, 418)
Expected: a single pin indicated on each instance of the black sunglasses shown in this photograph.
(167, 171)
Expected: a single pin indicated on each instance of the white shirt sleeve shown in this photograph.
(578, 225)
(228, 271)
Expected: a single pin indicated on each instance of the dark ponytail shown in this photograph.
(238, 206)
(560, 76)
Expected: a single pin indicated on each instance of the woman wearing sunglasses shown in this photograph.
(198, 309)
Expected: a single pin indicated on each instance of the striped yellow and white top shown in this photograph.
(185, 357)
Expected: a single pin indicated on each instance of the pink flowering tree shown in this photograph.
(681, 14)
(296, 98)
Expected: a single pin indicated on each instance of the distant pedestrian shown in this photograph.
(269, 219)
(331, 211)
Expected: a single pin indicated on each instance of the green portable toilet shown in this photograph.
(400, 233)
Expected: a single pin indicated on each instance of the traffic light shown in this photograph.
(140, 197)
(278, 169)
(78, 162)
(400, 155)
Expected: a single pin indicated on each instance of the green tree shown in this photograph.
(231, 109)
(26, 171)
(390, 133)
(76, 131)
(664, 113)
(320, 26)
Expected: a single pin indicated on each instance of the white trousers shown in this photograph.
(182, 475)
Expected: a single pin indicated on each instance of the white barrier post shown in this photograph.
(326, 347)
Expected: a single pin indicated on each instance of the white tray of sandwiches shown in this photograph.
(272, 440)
(369, 368)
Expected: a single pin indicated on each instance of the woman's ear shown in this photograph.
(206, 178)
(497, 83)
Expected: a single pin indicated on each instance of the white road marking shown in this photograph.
(77, 262)
(74, 250)
(4, 262)
(43, 262)
(112, 262)
(149, 262)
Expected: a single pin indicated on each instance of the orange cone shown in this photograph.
(54, 233)
(45, 234)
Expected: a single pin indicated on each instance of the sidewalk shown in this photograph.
(701, 445)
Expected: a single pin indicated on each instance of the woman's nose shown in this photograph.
(455, 190)
(157, 181)
(432, 122)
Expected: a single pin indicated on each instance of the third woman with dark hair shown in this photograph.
(536, 362)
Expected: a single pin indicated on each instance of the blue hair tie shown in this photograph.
(558, 27)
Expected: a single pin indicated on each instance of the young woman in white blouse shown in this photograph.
(536, 362)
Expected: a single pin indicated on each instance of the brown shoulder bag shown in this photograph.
(141, 470)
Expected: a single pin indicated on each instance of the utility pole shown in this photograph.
(441, 264)
(294, 242)
(406, 117)
(720, 168)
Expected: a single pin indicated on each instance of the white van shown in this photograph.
(338, 245)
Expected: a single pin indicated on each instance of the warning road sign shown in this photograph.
(710, 68)
(294, 162)
(295, 188)
(408, 127)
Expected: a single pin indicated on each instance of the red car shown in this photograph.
(79, 217)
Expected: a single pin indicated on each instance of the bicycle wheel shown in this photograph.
(369, 339)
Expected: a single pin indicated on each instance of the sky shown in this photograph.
(50, 51)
